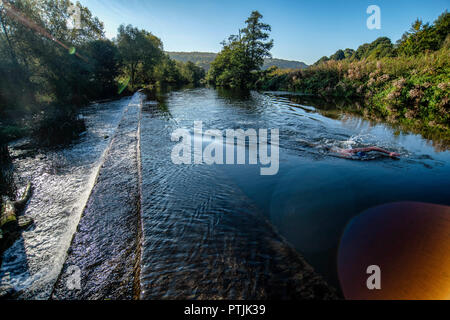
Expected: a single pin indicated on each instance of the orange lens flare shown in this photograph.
(14, 14)
(410, 242)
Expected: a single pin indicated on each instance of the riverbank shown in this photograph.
(413, 92)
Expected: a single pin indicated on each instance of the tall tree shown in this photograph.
(255, 36)
(140, 51)
(104, 67)
(242, 55)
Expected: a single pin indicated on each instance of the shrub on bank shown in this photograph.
(408, 89)
(57, 126)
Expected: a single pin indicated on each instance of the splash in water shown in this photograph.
(350, 149)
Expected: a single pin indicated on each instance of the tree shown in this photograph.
(348, 53)
(104, 64)
(242, 56)
(442, 25)
(339, 55)
(167, 72)
(380, 48)
(425, 37)
(140, 51)
(39, 53)
(191, 73)
(321, 60)
(256, 40)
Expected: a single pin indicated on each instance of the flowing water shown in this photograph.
(211, 218)
(225, 231)
(62, 180)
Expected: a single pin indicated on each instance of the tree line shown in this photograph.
(422, 37)
(49, 68)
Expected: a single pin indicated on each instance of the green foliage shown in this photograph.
(171, 72)
(140, 52)
(166, 72)
(283, 64)
(191, 73)
(339, 55)
(242, 56)
(425, 37)
(255, 38)
(145, 63)
(380, 48)
(231, 67)
(201, 59)
(104, 67)
(411, 88)
(35, 57)
(11, 132)
(57, 126)
(52, 68)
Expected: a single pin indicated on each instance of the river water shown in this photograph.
(226, 231)
(211, 211)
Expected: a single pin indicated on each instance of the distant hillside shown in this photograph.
(284, 64)
(204, 59)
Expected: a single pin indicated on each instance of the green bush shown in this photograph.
(405, 89)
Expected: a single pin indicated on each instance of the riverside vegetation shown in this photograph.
(50, 69)
(204, 60)
(53, 69)
(406, 83)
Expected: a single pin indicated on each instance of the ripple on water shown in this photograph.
(204, 239)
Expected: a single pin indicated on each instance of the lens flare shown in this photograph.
(409, 242)
(16, 15)
(123, 85)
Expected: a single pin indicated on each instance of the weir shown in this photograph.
(211, 240)
(104, 252)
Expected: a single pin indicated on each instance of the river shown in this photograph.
(226, 231)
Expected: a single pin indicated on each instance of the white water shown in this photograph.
(62, 180)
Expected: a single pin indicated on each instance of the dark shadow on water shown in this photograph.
(234, 94)
(155, 102)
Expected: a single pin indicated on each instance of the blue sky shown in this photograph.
(302, 30)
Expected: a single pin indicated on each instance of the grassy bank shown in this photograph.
(410, 90)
